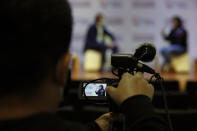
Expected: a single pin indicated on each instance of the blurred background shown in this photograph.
(133, 22)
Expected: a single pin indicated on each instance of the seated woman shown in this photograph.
(100, 91)
(178, 42)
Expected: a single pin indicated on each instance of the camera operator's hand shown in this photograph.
(130, 86)
(104, 121)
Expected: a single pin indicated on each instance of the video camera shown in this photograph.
(95, 90)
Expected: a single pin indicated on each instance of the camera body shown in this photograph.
(121, 63)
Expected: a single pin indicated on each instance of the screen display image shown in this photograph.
(95, 89)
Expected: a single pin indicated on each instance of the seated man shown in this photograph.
(177, 39)
(35, 35)
(99, 38)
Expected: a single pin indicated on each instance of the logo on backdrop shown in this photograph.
(143, 37)
(142, 21)
(78, 37)
(118, 37)
(81, 21)
(111, 3)
(143, 3)
(182, 4)
(115, 21)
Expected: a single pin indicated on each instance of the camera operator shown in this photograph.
(35, 37)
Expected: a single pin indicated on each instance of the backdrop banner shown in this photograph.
(134, 22)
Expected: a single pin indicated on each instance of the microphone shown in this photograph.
(145, 52)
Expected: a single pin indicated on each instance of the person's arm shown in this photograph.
(93, 126)
(114, 45)
(169, 37)
(100, 124)
(104, 121)
(140, 115)
(109, 34)
(134, 95)
(76, 126)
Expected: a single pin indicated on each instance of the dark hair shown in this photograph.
(98, 16)
(34, 35)
(101, 86)
(179, 21)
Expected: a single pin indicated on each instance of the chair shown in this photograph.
(191, 88)
(181, 63)
(93, 60)
(170, 86)
(182, 120)
(174, 101)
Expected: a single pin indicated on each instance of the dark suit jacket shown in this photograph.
(90, 41)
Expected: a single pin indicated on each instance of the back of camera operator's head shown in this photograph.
(35, 36)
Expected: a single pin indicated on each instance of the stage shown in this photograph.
(182, 78)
